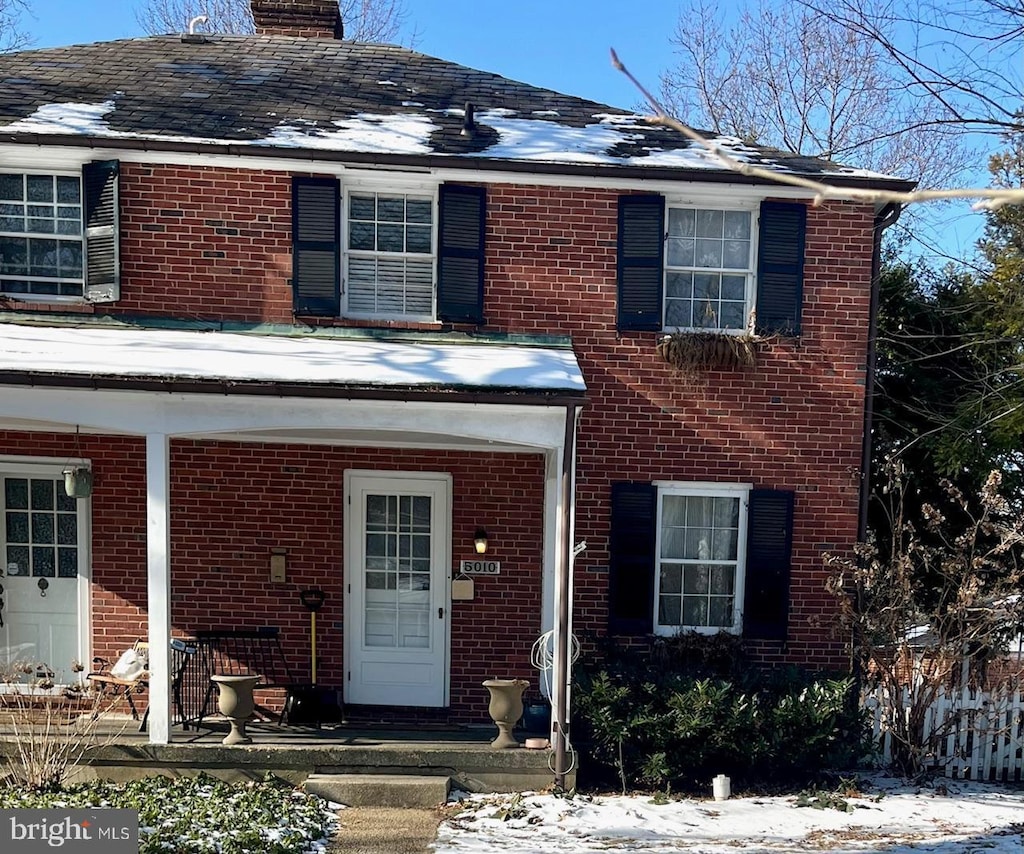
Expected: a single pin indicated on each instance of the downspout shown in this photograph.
(562, 662)
(886, 216)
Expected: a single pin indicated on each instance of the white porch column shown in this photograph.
(552, 498)
(562, 664)
(158, 559)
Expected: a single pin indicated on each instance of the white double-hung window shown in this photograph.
(41, 246)
(702, 530)
(390, 254)
(709, 268)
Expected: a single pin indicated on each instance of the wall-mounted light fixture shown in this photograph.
(480, 541)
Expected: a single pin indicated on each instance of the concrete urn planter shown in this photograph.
(505, 708)
(236, 703)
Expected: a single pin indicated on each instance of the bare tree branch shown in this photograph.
(989, 198)
(12, 36)
(964, 58)
(787, 77)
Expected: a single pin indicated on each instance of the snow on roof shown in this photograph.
(383, 134)
(86, 119)
(239, 357)
(537, 139)
(89, 120)
(285, 93)
(519, 138)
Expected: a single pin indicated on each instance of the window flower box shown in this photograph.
(700, 351)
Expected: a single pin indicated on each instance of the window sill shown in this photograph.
(675, 631)
(40, 302)
(361, 323)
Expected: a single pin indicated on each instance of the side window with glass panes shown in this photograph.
(41, 245)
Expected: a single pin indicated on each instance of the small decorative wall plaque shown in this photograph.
(480, 567)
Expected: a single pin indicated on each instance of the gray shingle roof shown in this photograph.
(342, 98)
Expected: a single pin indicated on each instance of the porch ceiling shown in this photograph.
(411, 438)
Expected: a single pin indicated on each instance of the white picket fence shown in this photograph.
(968, 734)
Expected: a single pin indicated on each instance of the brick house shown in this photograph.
(315, 313)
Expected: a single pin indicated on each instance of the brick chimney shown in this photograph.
(312, 19)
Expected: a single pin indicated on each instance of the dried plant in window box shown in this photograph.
(698, 351)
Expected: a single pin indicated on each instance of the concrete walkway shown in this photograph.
(385, 830)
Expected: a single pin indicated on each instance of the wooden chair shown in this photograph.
(105, 681)
(182, 652)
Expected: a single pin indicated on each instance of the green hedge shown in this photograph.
(653, 725)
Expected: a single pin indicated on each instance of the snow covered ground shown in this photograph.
(947, 817)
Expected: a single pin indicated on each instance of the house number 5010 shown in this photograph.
(481, 567)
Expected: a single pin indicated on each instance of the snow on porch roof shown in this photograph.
(242, 358)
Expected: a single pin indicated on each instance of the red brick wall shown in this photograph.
(214, 243)
(205, 243)
(792, 422)
(233, 503)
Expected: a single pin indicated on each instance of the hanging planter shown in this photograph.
(699, 351)
(78, 481)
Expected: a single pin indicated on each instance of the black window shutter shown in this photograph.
(640, 265)
(101, 220)
(460, 256)
(631, 547)
(780, 268)
(316, 246)
(769, 553)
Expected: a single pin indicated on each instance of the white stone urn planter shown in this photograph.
(505, 708)
(236, 703)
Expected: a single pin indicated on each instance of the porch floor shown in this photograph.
(463, 754)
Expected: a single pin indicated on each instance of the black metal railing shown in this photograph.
(237, 652)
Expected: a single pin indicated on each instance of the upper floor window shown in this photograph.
(709, 269)
(41, 246)
(380, 252)
(699, 268)
(390, 255)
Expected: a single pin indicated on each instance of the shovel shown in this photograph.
(308, 704)
(312, 599)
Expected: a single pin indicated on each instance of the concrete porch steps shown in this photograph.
(380, 790)
(462, 755)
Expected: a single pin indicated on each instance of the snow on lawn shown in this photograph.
(948, 818)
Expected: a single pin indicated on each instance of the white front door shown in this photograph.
(44, 547)
(398, 547)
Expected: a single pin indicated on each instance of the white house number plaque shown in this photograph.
(481, 567)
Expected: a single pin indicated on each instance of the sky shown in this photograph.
(557, 44)
(948, 817)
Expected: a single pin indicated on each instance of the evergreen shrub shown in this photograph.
(673, 716)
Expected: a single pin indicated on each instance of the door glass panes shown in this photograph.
(40, 528)
(397, 567)
(699, 556)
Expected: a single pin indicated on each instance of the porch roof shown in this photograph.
(49, 353)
